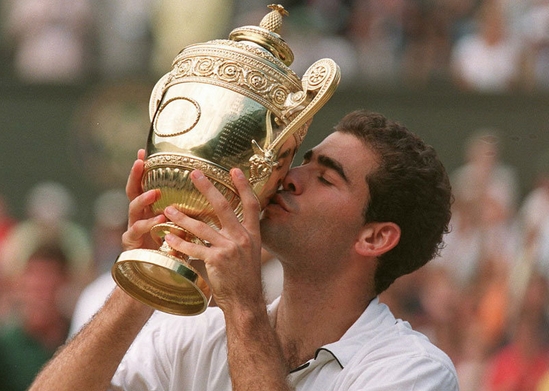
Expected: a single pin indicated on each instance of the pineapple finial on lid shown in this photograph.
(273, 20)
(266, 34)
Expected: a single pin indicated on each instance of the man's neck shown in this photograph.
(308, 319)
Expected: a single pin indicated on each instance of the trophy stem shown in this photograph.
(163, 278)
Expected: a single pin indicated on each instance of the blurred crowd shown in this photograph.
(481, 45)
(484, 300)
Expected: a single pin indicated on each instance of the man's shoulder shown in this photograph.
(391, 351)
(403, 354)
(401, 341)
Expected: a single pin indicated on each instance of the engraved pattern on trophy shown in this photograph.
(178, 118)
(224, 104)
(251, 78)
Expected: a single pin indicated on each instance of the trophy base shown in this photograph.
(162, 281)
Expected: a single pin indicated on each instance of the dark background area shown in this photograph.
(43, 132)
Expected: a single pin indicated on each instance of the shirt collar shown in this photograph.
(374, 318)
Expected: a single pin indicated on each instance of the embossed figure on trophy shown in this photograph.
(225, 103)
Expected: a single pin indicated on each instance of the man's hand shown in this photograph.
(140, 217)
(233, 258)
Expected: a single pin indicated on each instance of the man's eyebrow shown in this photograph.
(327, 162)
(285, 154)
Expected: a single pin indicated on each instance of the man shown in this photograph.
(369, 204)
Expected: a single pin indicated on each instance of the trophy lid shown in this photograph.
(267, 34)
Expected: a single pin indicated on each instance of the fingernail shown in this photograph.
(238, 173)
(157, 194)
(197, 174)
(151, 194)
(170, 210)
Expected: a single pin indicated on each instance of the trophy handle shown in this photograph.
(319, 81)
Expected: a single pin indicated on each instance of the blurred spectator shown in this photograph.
(50, 208)
(375, 30)
(91, 300)
(479, 45)
(535, 206)
(486, 194)
(487, 60)
(427, 42)
(481, 251)
(534, 225)
(462, 16)
(313, 32)
(471, 363)
(7, 222)
(123, 32)
(39, 325)
(50, 38)
(178, 23)
(111, 217)
(544, 382)
(521, 363)
(534, 30)
(111, 221)
(462, 250)
(484, 176)
(439, 298)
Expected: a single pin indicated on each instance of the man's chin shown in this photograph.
(267, 226)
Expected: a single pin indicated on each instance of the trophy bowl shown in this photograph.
(224, 104)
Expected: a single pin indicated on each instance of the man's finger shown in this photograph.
(133, 185)
(250, 203)
(140, 205)
(219, 203)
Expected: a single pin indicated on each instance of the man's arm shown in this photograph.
(256, 361)
(89, 360)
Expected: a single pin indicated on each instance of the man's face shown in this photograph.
(284, 161)
(319, 212)
(39, 288)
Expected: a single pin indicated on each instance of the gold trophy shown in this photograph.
(225, 103)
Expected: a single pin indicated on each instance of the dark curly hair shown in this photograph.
(409, 188)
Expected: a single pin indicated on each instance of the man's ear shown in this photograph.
(376, 239)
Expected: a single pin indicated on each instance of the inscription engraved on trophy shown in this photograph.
(235, 140)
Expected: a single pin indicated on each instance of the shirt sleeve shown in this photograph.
(144, 367)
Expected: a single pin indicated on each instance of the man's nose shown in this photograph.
(293, 180)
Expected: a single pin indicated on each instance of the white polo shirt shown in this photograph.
(378, 352)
